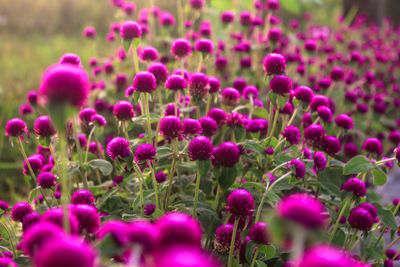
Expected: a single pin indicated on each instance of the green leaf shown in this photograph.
(357, 164)
(386, 216)
(126, 43)
(339, 238)
(268, 251)
(137, 42)
(261, 264)
(103, 165)
(261, 113)
(203, 166)
(108, 247)
(227, 177)
(330, 179)
(282, 100)
(379, 177)
(250, 247)
(239, 132)
(44, 141)
(292, 6)
(272, 97)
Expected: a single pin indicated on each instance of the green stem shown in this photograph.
(217, 197)
(171, 174)
(78, 147)
(154, 183)
(352, 239)
(140, 178)
(196, 193)
(274, 122)
(232, 246)
(64, 182)
(253, 261)
(135, 57)
(251, 107)
(209, 99)
(88, 143)
(148, 122)
(293, 116)
(346, 202)
(200, 62)
(393, 242)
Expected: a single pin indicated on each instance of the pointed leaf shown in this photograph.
(126, 43)
(379, 177)
(357, 164)
(203, 166)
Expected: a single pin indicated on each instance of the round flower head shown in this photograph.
(314, 134)
(280, 84)
(160, 72)
(344, 121)
(303, 93)
(44, 127)
(98, 120)
(226, 155)
(245, 18)
(221, 63)
(149, 209)
(184, 256)
(356, 186)
(170, 127)
(25, 110)
(123, 110)
(274, 35)
(83, 196)
(175, 82)
(66, 252)
(32, 97)
(108, 67)
(331, 145)
(36, 161)
(16, 127)
(200, 148)
(209, 126)
(177, 228)
(204, 46)
(86, 114)
(328, 256)
(198, 85)
(118, 230)
(172, 110)
(30, 220)
(191, 127)
(319, 161)
(118, 147)
(318, 100)
(371, 208)
(373, 145)
(144, 234)
(149, 53)
(218, 114)
(181, 48)
(337, 73)
(299, 168)
(65, 83)
(46, 180)
(394, 137)
(303, 209)
(7, 262)
(292, 134)
(257, 125)
(223, 237)
(197, 4)
(166, 19)
(89, 32)
(240, 203)
(129, 8)
(71, 58)
(230, 96)
(250, 91)
(161, 177)
(130, 30)
(325, 113)
(38, 235)
(274, 64)
(144, 82)
(259, 233)
(4, 205)
(88, 218)
(214, 85)
(56, 216)
(227, 17)
(20, 210)
(361, 219)
(145, 152)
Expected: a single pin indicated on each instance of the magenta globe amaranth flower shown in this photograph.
(218, 114)
(304, 93)
(325, 113)
(314, 134)
(38, 235)
(360, 218)
(177, 228)
(226, 155)
(185, 256)
(317, 101)
(274, 64)
(144, 82)
(123, 110)
(181, 48)
(89, 32)
(66, 252)
(209, 126)
(227, 17)
(71, 58)
(149, 209)
(249, 92)
(118, 230)
(172, 110)
(20, 210)
(144, 234)
(118, 147)
(356, 186)
(191, 127)
(7, 262)
(240, 203)
(46, 180)
(344, 121)
(230, 96)
(170, 127)
(145, 152)
(198, 86)
(299, 168)
(373, 145)
(337, 74)
(36, 162)
(65, 83)
(4, 205)
(200, 148)
(88, 218)
(160, 72)
(331, 145)
(292, 134)
(130, 30)
(16, 127)
(280, 84)
(44, 127)
(223, 237)
(98, 120)
(175, 83)
(302, 209)
(148, 53)
(214, 85)
(259, 233)
(204, 46)
(83, 196)
(30, 220)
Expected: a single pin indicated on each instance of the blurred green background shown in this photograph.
(35, 33)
